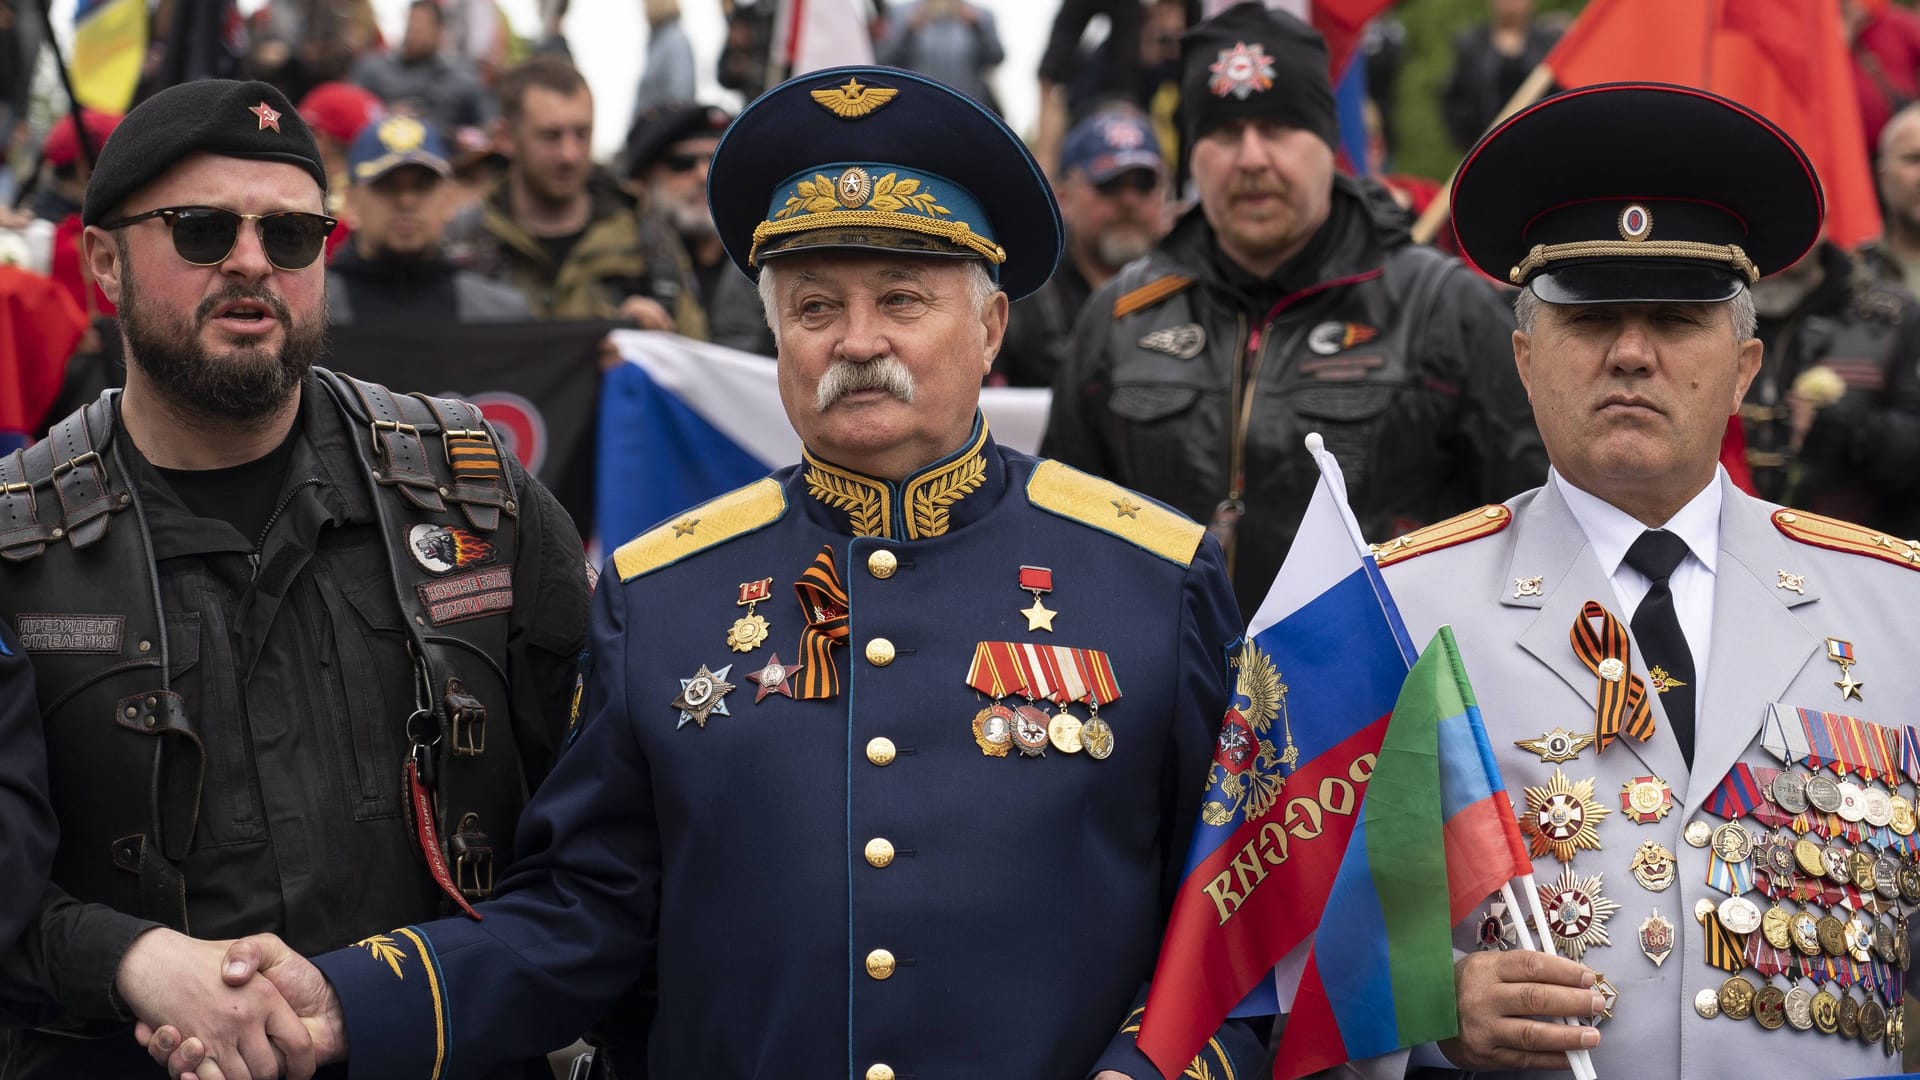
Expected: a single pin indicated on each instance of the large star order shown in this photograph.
(703, 695)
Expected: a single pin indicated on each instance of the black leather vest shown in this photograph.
(125, 759)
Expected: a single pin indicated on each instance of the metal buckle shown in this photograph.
(394, 426)
(472, 859)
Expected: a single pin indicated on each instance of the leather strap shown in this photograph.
(402, 455)
(479, 480)
(80, 479)
(22, 534)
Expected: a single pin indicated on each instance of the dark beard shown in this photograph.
(246, 385)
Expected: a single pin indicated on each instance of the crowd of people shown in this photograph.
(296, 665)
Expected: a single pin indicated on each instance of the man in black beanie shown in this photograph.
(272, 612)
(1290, 300)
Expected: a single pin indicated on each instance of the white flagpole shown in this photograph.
(1579, 1060)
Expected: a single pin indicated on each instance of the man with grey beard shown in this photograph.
(1113, 200)
(667, 155)
(272, 613)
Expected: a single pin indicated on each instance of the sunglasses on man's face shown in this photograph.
(681, 163)
(206, 235)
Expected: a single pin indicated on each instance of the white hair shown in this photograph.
(980, 290)
(1739, 309)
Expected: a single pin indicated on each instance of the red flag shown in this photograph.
(1342, 22)
(1785, 59)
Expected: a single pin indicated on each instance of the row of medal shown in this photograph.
(1056, 673)
(1835, 855)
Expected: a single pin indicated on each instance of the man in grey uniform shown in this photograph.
(1698, 699)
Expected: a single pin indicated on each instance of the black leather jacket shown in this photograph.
(1199, 393)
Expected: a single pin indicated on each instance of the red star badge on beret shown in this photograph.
(269, 117)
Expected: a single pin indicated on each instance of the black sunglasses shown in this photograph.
(1138, 181)
(684, 162)
(206, 235)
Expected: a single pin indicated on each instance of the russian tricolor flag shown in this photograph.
(1317, 681)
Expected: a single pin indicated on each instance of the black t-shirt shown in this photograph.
(559, 247)
(243, 496)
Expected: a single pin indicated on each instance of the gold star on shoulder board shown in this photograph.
(1126, 508)
(1038, 616)
(685, 526)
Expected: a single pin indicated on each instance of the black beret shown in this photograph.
(217, 116)
(664, 125)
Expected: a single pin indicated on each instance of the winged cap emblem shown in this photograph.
(853, 101)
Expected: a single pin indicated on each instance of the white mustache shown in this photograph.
(846, 377)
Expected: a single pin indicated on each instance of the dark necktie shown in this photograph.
(1656, 628)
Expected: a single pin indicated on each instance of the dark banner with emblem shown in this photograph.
(538, 383)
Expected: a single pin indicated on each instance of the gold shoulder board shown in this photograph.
(1459, 529)
(1101, 504)
(736, 513)
(1148, 295)
(1836, 535)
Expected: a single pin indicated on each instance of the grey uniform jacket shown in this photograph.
(1768, 645)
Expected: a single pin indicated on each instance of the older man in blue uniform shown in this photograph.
(886, 763)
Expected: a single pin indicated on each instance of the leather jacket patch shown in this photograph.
(1184, 341)
(1332, 337)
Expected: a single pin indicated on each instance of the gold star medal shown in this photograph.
(750, 630)
(1564, 817)
(1557, 745)
(703, 695)
(1037, 580)
(1841, 652)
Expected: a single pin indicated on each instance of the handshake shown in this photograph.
(250, 1009)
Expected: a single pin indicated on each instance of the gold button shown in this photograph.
(879, 1072)
(880, 964)
(882, 564)
(1493, 512)
(880, 751)
(879, 851)
(879, 652)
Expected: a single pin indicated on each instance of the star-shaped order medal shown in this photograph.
(1563, 817)
(703, 695)
(1576, 913)
(1841, 652)
(1038, 580)
(775, 678)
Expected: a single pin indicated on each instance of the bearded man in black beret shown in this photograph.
(272, 613)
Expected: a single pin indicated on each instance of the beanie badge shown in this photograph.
(1241, 71)
(269, 117)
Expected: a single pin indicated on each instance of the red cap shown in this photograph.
(63, 147)
(340, 110)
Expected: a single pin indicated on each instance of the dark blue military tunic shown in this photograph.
(845, 886)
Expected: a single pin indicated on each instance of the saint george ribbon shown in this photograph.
(824, 600)
(1623, 695)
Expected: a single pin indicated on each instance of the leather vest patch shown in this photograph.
(71, 633)
(468, 596)
(1184, 342)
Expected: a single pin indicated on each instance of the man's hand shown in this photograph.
(245, 1028)
(302, 987)
(1500, 993)
(647, 313)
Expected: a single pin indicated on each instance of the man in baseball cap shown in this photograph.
(1113, 201)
